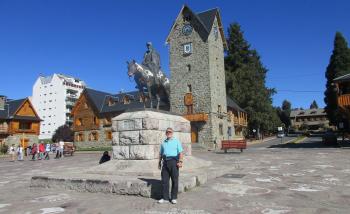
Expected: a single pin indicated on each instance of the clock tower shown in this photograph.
(197, 86)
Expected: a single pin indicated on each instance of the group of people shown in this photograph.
(16, 151)
(39, 151)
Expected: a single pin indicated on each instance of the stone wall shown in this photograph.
(101, 142)
(138, 135)
(16, 139)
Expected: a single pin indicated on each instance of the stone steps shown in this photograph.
(123, 185)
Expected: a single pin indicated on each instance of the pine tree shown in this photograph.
(339, 65)
(313, 105)
(284, 113)
(245, 81)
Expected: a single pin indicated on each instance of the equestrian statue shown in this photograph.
(149, 77)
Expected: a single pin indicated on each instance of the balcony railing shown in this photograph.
(239, 121)
(344, 100)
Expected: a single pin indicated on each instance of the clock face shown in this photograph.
(187, 30)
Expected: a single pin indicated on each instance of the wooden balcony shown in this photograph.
(344, 101)
(199, 117)
(239, 121)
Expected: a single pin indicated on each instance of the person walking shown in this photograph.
(19, 152)
(41, 151)
(29, 151)
(34, 151)
(61, 148)
(47, 151)
(170, 160)
(12, 152)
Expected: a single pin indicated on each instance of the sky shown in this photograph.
(93, 39)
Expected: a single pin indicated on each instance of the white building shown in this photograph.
(53, 98)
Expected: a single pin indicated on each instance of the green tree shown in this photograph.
(339, 65)
(245, 81)
(313, 105)
(284, 113)
(63, 133)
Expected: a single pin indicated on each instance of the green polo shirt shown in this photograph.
(170, 147)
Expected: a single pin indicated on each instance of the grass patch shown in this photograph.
(94, 149)
(298, 139)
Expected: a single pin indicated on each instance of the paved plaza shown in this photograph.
(304, 179)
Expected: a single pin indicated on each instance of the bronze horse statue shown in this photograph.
(146, 80)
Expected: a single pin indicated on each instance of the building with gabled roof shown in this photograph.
(94, 110)
(19, 122)
(312, 119)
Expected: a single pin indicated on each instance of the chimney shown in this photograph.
(2, 102)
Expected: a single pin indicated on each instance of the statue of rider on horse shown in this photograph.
(149, 77)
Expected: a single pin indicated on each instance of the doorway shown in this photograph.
(194, 133)
(24, 142)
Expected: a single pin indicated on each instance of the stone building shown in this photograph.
(197, 83)
(93, 113)
(19, 122)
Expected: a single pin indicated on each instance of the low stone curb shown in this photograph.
(260, 141)
(145, 187)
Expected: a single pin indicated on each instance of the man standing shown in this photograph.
(172, 158)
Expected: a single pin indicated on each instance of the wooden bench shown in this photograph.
(233, 144)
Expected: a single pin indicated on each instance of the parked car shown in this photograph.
(330, 138)
(280, 134)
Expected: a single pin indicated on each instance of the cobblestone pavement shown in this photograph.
(261, 180)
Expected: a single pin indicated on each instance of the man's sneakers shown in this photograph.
(162, 201)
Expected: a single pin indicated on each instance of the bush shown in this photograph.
(3, 149)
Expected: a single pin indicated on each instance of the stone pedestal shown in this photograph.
(136, 143)
(138, 135)
(134, 168)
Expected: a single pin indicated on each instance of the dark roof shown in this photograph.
(100, 100)
(207, 18)
(343, 78)
(96, 97)
(307, 112)
(206, 21)
(233, 104)
(11, 106)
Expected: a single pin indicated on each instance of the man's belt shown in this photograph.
(167, 158)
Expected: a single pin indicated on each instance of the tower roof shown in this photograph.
(206, 20)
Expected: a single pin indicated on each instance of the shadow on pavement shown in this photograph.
(308, 145)
(156, 187)
(229, 152)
